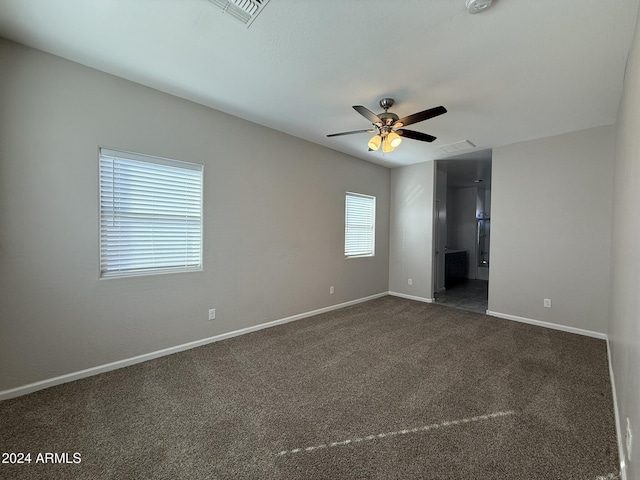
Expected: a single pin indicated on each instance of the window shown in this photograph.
(359, 225)
(150, 215)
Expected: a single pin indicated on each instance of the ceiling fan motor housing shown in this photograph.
(387, 118)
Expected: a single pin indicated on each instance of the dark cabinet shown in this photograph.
(455, 267)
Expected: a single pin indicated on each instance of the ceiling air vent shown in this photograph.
(458, 146)
(245, 11)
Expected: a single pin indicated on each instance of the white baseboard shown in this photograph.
(554, 326)
(411, 297)
(70, 377)
(621, 456)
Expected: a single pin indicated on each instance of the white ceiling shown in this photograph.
(521, 70)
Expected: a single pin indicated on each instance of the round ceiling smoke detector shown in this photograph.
(477, 6)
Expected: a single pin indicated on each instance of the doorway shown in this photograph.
(462, 231)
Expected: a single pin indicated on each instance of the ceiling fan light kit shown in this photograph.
(388, 126)
(394, 139)
(374, 143)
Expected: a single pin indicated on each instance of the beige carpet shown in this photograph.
(387, 389)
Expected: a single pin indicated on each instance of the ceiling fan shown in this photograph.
(388, 126)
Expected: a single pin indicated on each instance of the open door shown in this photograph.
(439, 226)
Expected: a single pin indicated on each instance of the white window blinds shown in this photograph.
(359, 225)
(150, 215)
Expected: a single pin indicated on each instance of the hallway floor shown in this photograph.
(472, 295)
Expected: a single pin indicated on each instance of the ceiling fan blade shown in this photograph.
(349, 133)
(420, 116)
(368, 114)
(423, 137)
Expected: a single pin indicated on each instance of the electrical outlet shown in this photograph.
(212, 314)
(628, 440)
(332, 290)
(547, 303)
(410, 281)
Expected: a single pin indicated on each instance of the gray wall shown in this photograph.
(411, 233)
(550, 221)
(624, 328)
(273, 236)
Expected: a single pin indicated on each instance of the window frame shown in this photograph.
(372, 225)
(196, 195)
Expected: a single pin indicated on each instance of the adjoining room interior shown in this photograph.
(223, 227)
(462, 236)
